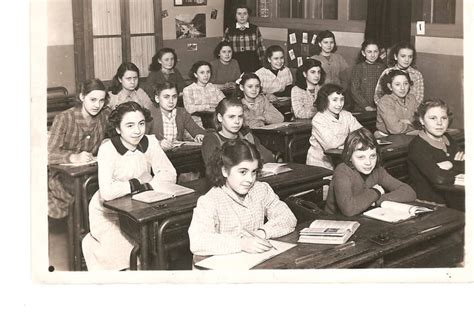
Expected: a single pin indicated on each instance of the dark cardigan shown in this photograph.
(424, 171)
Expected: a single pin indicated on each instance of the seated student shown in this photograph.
(129, 162)
(333, 63)
(237, 204)
(365, 76)
(433, 156)
(201, 96)
(359, 181)
(396, 109)
(169, 122)
(402, 56)
(162, 69)
(225, 70)
(125, 87)
(309, 78)
(331, 125)
(276, 79)
(229, 121)
(75, 137)
(258, 111)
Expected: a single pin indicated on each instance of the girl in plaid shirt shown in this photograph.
(246, 40)
(75, 137)
(276, 79)
(125, 87)
(201, 96)
(236, 207)
(402, 57)
(309, 78)
(365, 76)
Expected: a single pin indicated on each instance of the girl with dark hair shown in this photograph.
(246, 40)
(402, 56)
(225, 70)
(331, 125)
(162, 69)
(359, 181)
(169, 122)
(125, 87)
(433, 156)
(229, 121)
(333, 64)
(129, 162)
(258, 111)
(237, 204)
(396, 109)
(309, 78)
(365, 75)
(75, 137)
(276, 79)
(201, 95)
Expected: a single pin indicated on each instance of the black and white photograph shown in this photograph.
(287, 141)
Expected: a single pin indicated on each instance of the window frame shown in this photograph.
(83, 36)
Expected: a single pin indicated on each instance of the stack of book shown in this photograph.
(328, 232)
(459, 179)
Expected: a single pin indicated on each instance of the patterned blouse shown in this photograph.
(418, 88)
(260, 112)
(138, 96)
(221, 216)
(302, 102)
(272, 83)
(249, 39)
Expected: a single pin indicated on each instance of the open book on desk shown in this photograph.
(77, 164)
(328, 232)
(163, 192)
(243, 260)
(273, 168)
(396, 212)
(278, 125)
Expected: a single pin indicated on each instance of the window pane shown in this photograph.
(358, 10)
(444, 11)
(106, 17)
(297, 9)
(330, 9)
(107, 57)
(284, 9)
(143, 48)
(141, 16)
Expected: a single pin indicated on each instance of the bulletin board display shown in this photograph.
(301, 44)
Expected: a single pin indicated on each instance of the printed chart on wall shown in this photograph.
(301, 45)
(190, 26)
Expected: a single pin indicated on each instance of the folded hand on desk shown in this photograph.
(81, 157)
(459, 156)
(445, 165)
(253, 244)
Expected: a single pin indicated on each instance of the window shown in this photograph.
(308, 9)
(434, 11)
(109, 32)
(358, 10)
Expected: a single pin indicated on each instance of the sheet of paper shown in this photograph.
(299, 61)
(305, 38)
(292, 38)
(243, 260)
(292, 54)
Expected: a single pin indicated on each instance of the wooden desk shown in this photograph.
(141, 221)
(186, 159)
(74, 220)
(455, 195)
(292, 141)
(407, 247)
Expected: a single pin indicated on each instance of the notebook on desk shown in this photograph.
(163, 192)
(77, 164)
(328, 232)
(394, 212)
(243, 260)
(273, 168)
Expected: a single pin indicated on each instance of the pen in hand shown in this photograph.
(258, 237)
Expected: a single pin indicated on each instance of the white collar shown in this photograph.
(238, 25)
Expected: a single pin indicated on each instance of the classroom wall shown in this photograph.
(439, 59)
(205, 45)
(60, 45)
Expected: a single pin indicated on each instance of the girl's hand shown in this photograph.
(199, 138)
(254, 245)
(370, 108)
(445, 165)
(379, 188)
(81, 157)
(272, 98)
(145, 177)
(459, 156)
(166, 144)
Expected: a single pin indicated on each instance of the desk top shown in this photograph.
(143, 212)
(401, 235)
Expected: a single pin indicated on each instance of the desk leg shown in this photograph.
(76, 223)
(144, 247)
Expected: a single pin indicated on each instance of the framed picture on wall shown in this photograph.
(181, 3)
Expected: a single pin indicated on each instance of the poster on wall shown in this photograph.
(190, 26)
(179, 3)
